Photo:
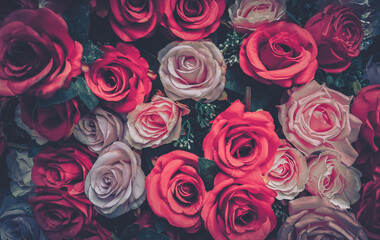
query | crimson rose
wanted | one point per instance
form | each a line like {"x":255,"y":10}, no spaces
{"x":338,"y":33}
{"x":60,"y":215}
{"x":120,"y":77}
{"x":279,"y":53}
{"x":192,"y":19}
{"x":37,"y":55}
{"x":54,"y":122}
{"x":240,"y":142}
{"x":175,"y":191}
{"x":65,"y":167}
{"x":239,"y":208}
{"x":131,"y":19}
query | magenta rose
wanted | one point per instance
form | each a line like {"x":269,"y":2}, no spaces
{"x":131,"y":19}
{"x":121,"y":77}
{"x":289,"y":173}
{"x":367,"y":209}
{"x":316,"y":218}
{"x":60,"y":215}
{"x":65,"y":167}
{"x":366,"y":107}
{"x":53,"y":122}
{"x":338,"y":33}
{"x":37,"y":55}
{"x":316,"y":117}
{"x":192,"y":19}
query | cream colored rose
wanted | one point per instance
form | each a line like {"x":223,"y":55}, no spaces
{"x":155,"y":123}
{"x":330,"y":178}
{"x":246,"y":15}
{"x":289,"y":173}
{"x":192,"y":69}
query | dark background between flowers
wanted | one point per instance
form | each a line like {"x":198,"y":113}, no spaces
{"x":92,"y":32}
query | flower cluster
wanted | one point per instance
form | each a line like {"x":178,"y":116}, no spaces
{"x":123,"y":119}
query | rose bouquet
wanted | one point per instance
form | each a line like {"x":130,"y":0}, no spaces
{"x":189,"y":119}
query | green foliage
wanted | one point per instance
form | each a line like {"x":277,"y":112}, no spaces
{"x":207,"y":170}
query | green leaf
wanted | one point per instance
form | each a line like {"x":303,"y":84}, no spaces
{"x":356,"y":86}
{"x":60,"y":96}
{"x":34,"y":148}
{"x":150,"y":234}
{"x":207,"y":170}
{"x":130,"y":232}
{"x":85,"y":93}
{"x":77,"y":17}
{"x":90,"y":52}
{"x":160,"y":224}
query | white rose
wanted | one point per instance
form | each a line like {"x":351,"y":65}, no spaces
{"x":246,"y":15}
{"x":20,"y":172}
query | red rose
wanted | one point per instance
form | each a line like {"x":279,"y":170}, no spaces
{"x":192,"y":19}
{"x":132,"y":19}
{"x":368,"y":161}
{"x":120,"y":77}
{"x":367,"y":209}
{"x":338,"y":33}
{"x":60,"y":215}
{"x":279,"y":53}
{"x":65,"y":167}
{"x":54,"y":122}
{"x":239,"y":208}
{"x":175,"y":191}
{"x":37,"y":55}
{"x":240,"y":142}
{"x":366,"y":107}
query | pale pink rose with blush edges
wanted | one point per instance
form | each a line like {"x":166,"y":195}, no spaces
{"x":192,"y":69}
{"x":316,"y":218}
{"x":154,"y":124}
{"x":116,"y":181}
{"x":316,"y":118}
{"x":99,"y":129}
{"x":330,"y":178}
{"x":246,"y":15}
{"x":289,"y":172}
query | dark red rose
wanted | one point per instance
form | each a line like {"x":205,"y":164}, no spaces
{"x":134,"y":19}
{"x":367,"y":209}
{"x":65,"y":167}
{"x":37,"y":55}
{"x":54,"y":122}
{"x":368,"y":161}
{"x":366,"y":107}
{"x":192,"y":19}
{"x":239,"y":208}
{"x":121,"y":78}
{"x":279,"y":53}
{"x":242,"y":142}
{"x":60,"y":215}
{"x":338,"y":33}
{"x":175,"y":191}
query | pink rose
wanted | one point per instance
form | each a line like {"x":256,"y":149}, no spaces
{"x":316,"y":117}
{"x":289,"y":173}
{"x":154,"y":124}
{"x":316,"y":218}
{"x":330,"y":178}
{"x":192,"y":70}
{"x":115,"y":183}
{"x":99,"y":129}
{"x":246,"y":15}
